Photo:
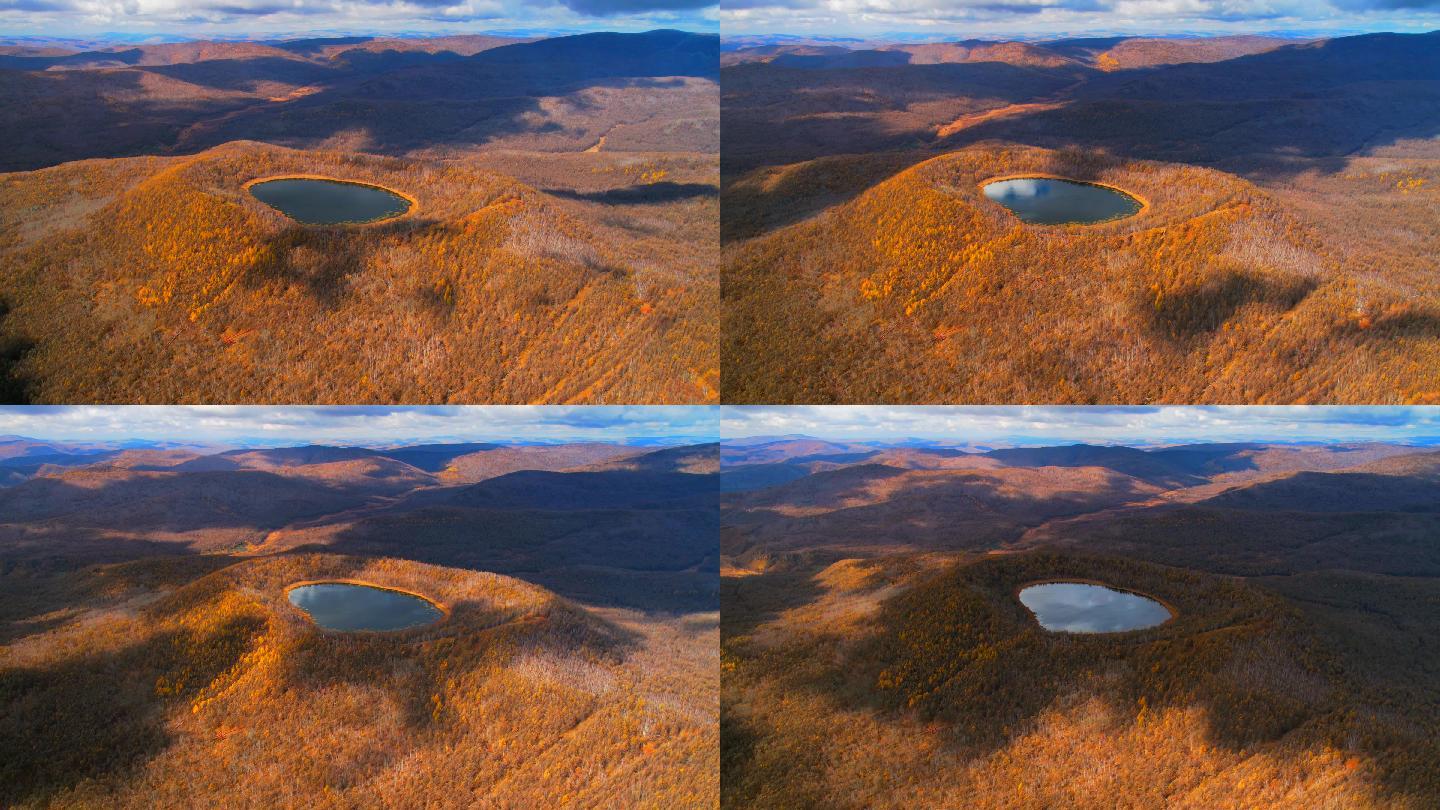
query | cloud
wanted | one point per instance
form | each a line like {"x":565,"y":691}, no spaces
{"x":610,"y":8}
{"x":358,"y":424}
{"x":1052,"y":18}
{"x":1387,"y":5}
{"x":263,"y":9}
{"x":1059,"y":425}
{"x":199,"y":18}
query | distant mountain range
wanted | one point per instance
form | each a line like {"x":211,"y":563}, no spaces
{"x":411,"y":94}
{"x":22,"y":456}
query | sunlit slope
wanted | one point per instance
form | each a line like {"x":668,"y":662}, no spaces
{"x":163,"y":280}
{"x":921,"y":290}
{"x":905,"y":682}
{"x":178,"y":687}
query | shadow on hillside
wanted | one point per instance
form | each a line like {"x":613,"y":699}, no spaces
{"x":368,"y":61}
{"x":1386,"y":629}
{"x":103,"y":713}
{"x":746,"y":602}
{"x":1265,"y":542}
{"x":759,"y":142}
{"x":764,"y":475}
{"x":664,"y":592}
{"x":861,"y":498}
{"x":107,"y":114}
{"x":414,"y":666}
{"x":50,"y":547}
{"x":1082,"y":47}
{"x":15,"y":386}
{"x":962,"y":651}
{"x":1199,"y":310}
{"x":1166,"y":468}
{"x":1206,"y":460}
{"x":650,"y":560}
{"x":1272,"y":114}
{"x":316,"y":45}
{"x":319,"y":259}
{"x":29,"y":465}
{"x":774,"y":199}
{"x":41,"y":593}
{"x":131,"y":56}
{"x":252,"y":500}
{"x":645,"y":194}
{"x":247,"y":75}
{"x":1334,"y":492}
{"x":434,"y":458}
{"x":401,"y":101}
{"x":827,"y":489}
{"x":405,"y":101}
{"x":774,"y":115}
{"x":1422,"y":324}
{"x":638,"y":538}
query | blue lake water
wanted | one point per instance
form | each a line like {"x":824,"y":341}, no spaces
{"x":344,"y":606}
{"x":1047,"y":201}
{"x":1079,"y":607}
{"x":329,"y":202}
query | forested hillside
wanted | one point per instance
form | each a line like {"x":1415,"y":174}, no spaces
{"x":150,"y":655}
{"x":875,"y":653}
{"x":1280,"y":256}
{"x":181,"y":287}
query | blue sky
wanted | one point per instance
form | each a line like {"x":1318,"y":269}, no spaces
{"x":1095,"y":425}
{"x":881,"y":19}
{"x":983,"y":425}
{"x":1032,"y":19}
{"x":260,"y":19}
{"x":357,"y":425}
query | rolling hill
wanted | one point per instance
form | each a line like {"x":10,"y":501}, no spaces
{"x":1104,"y":53}
{"x":641,"y":534}
{"x":523,"y":694}
{"x":149,"y":655}
{"x":192,"y":290}
{"x":420,"y":97}
{"x":863,"y":263}
{"x":888,"y":662}
{"x":564,"y":194}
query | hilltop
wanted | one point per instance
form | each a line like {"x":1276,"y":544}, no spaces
{"x":875,"y":653}
{"x":1216,"y":292}
{"x":563,"y":193}
{"x":149,"y":654}
{"x":184,"y":288}
{"x":1257,"y":271}
{"x":517,"y":695}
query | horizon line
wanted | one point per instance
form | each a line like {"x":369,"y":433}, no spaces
{"x":919,"y":37}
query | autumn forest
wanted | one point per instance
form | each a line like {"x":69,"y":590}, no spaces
{"x":720,"y":404}
{"x":149,"y":656}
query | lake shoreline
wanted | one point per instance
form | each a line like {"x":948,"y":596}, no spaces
{"x":445,"y":610}
{"x":414,"y":202}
